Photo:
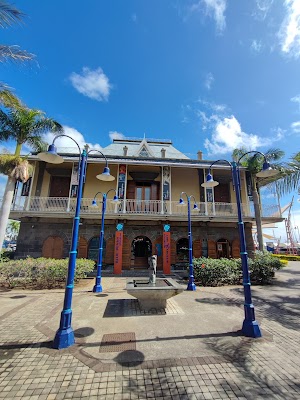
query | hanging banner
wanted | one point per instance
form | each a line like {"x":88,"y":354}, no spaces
{"x":121,"y":181}
{"x":249,"y":185}
{"x":26,"y":187}
{"x":118,"y":252}
{"x":74,"y":181}
{"x":167,"y":250}
{"x":166,"y":183}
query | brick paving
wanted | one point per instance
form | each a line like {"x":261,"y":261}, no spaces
{"x":221,"y":364}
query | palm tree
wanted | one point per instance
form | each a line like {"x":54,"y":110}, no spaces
{"x":13,"y":229}
{"x":291,"y":177}
{"x":23,"y":125}
{"x":10,"y":15}
{"x":254,"y":164}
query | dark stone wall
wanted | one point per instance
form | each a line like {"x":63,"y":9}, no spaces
{"x":34,"y":231}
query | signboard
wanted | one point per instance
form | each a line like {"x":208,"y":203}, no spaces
{"x":121,"y":181}
{"x":167,"y":252}
{"x":118,"y":252}
{"x":26,"y":187}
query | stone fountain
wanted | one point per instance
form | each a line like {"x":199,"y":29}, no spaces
{"x":153,"y":292}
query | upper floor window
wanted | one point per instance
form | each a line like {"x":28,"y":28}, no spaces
{"x":144,"y":152}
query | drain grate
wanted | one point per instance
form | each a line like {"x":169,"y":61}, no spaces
{"x":116,"y":342}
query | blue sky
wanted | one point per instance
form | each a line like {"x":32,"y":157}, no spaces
{"x":211,"y":75}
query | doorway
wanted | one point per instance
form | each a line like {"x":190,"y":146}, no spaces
{"x":223,"y":250}
{"x":59,"y":186}
{"x":141,"y":250}
{"x":143,"y":197}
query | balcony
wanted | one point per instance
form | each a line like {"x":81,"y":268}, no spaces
{"x":135,"y":209}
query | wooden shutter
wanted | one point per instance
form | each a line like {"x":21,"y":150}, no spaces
{"x":173,"y":251}
{"x":154,"y":191}
{"x":222,"y":193}
{"x":109,"y":251}
{"x":130,"y":193}
{"x":82,"y":248}
{"x":197,"y":248}
{"x":126,"y":252}
{"x":235,"y":248}
{"x":212,"y":251}
{"x":53,"y":247}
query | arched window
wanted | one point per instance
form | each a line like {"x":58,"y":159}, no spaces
{"x":182,"y":249}
{"x":93,"y":250}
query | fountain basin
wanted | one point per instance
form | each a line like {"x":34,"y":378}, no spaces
{"x":152,"y":295}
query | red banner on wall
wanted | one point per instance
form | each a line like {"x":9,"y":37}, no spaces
{"x":118,"y":252}
{"x":167,"y":252}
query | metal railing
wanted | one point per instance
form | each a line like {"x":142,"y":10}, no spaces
{"x":63,"y":205}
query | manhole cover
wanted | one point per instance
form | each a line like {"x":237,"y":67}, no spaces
{"x":116,"y":342}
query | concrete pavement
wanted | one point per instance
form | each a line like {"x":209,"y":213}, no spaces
{"x":193,"y":351}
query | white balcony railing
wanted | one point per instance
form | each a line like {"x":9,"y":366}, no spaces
{"x":63,"y":205}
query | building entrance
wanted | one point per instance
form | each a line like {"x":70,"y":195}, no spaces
{"x":141,"y":250}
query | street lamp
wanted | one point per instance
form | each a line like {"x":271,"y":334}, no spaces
{"x":250,"y":326}
{"x":191,"y":285}
{"x":65,"y":336}
{"x":98,"y":287}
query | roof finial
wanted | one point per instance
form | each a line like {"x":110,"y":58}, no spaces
{"x":144,"y":135}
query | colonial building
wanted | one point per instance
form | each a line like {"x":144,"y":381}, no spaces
{"x":150,"y":176}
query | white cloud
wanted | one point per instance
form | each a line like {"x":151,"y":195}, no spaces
{"x":67,"y":145}
{"x":133,"y":17}
{"x":116,"y":135}
{"x":92,"y":83}
{"x":228,"y":135}
{"x":256,"y":46}
{"x":215,"y":9}
{"x":209,"y":80}
{"x":296,"y":127}
{"x":296,"y":99}
{"x":262,"y":8}
{"x":290,"y":29}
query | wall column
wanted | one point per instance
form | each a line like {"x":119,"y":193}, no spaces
{"x":167,"y":250}
{"x":118,"y":253}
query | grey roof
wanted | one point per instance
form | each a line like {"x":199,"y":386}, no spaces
{"x":134,"y":146}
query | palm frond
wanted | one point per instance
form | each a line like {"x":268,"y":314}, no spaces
{"x":9,"y":14}
{"x":14,"y":53}
{"x":8,"y":99}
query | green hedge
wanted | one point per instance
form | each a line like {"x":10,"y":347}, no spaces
{"x":40,"y":273}
{"x":224,"y":271}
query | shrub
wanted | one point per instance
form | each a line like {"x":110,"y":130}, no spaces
{"x":216,"y":272}
{"x":223,"y":271}
{"x":287,"y":257}
{"x":40,"y":273}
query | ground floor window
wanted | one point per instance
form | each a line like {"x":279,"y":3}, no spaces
{"x":93,"y":249}
{"x":182,"y":249}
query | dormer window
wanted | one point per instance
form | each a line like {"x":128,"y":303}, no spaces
{"x":144,"y":152}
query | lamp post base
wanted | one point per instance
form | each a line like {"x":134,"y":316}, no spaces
{"x":97,"y":289}
{"x":63,"y":338}
{"x":191,"y":286}
{"x":251,"y":329}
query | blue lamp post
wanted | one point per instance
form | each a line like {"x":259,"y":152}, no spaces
{"x":191,"y":285}
{"x":65,"y":336}
{"x":98,"y":287}
{"x":250,"y":326}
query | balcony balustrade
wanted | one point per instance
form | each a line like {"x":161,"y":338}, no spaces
{"x":64,"y":205}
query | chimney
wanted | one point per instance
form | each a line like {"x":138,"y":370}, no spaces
{"x":125,"y":150}
{"x":163,"y":153}
{"x":199,"y":155}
